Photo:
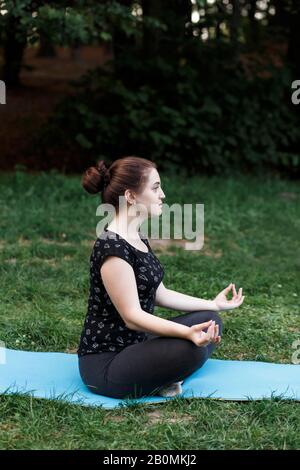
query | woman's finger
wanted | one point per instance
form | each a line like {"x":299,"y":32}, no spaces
{"x":240,"y":301}
{"x":206,"y":338}
{"x":216,"y":333}
{"x":227,"y":289}
{"x":201,"y":326}
{"x":234,"y":291}
{"x":217,"y":340}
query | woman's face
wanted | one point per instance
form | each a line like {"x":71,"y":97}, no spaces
{"x":152,"y":196}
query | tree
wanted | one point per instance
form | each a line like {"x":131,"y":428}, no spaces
{"x":175,"y":15}
{"x":294,"y":37}
{"x":26,"y":21}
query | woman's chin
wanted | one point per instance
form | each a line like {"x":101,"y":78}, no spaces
{"x":156,"y":212}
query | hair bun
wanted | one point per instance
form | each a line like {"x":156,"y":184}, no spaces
{"x":104,"y":172}
{"x":96,"y":178}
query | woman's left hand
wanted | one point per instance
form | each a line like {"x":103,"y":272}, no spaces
{"x":222,"y":303}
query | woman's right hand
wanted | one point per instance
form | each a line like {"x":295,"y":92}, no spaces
{"x":200,"y":338}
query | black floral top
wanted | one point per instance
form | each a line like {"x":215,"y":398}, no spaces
{"x":104,"y":329}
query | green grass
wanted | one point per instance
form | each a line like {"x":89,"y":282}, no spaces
{"x":47,"y":227}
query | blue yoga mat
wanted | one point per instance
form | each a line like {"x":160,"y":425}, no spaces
{"x":54,"y":375}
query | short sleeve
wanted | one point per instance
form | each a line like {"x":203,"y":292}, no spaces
{"x":112,"y":247}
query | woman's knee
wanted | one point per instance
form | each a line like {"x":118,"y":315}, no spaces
{"x":212,"y":315}
{"x":190,"y":357}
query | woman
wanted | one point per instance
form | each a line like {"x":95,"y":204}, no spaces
{"x":125,"y":350}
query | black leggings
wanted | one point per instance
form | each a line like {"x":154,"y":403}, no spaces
{"x":142,"y":368}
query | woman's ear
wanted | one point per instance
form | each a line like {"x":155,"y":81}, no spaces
{"x":129,"y":195}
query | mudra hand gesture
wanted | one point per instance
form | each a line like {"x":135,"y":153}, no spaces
{"x":202,"y":338}
{"x":221,"y":301}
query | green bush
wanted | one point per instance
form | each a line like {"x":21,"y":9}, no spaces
{"x":204,"y":114}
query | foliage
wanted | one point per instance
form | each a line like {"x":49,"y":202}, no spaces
{"x":200,"y":113}
{"x":64,"y":23}
{"x":177,"y":89}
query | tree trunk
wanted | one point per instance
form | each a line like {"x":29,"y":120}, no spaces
{"x":46,"y":48}
{"x":13,"y":54}
{"x":120,"y":39}
{"x":253,"y":33}
{"x":281,"y":17}
{"x":294,"y":42}
{"x":234,"y":27}
{"x":152,"y":37}
{"x":175,"y":14}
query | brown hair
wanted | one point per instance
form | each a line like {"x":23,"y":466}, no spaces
{"x":124,"y":173}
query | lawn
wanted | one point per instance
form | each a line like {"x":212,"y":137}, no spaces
{"x":252,"y":226}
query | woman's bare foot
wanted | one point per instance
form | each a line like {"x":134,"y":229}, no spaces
{"x":170,"y":390}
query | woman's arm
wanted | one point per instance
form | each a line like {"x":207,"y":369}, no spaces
{"x":177,"y":301}
{"x":119,"y":281}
